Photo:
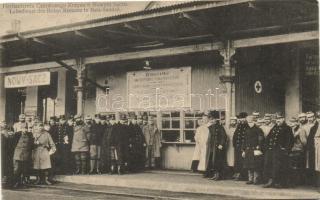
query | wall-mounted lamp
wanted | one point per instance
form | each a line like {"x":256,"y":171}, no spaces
{"x":146,"y":65}
{"x":107,"y":87}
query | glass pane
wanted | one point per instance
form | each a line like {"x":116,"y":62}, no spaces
{"x":199,"y":114}
{"x":175,"y":123}
{"x":189,"y":123}
{"x":189,"y":135}
{"x":165,"y":123}
{"x":189,"y":114}
{"x":165,"y":114}
{"x":175,"y":114}
{"x":170,"y":136}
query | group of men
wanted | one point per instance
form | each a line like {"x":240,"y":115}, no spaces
{"x":86,"y":146}
{"x":265,"y":150}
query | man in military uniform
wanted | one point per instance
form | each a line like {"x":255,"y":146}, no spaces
{"x":278,"y":144}
{"x":256,"y":115}
{"x":7,"y":149}
{"x":80,"y":145}
{"x":310,"y":148}
{"x":22,"y":155}
{"x":118,"y":146}
{"x":216,"y":147}
{"x":136,"y":148}
{"x":95,"y":145}
{"x":237,"y":141}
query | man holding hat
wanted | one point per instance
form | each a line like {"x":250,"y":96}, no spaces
{"x":215,"y":154}
{"x":278,"y":144}
{"x":237,"y":141}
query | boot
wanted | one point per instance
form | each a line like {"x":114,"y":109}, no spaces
{"x":98,"y":167}
{"x":112,"y":169}
{"x":269,"y":184}
{"x":78,"y":167}
{"x":92,"y":165}
{"x":83,"y":167}
{"x":45,"y":178}
{"x":37,"y":182}
{"x":119,"y":170}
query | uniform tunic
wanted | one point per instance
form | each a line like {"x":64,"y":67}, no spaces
{"x":105,"y":147}
{"x":237,"y":141}
{"x":119,"y":143}
{"x":253,"y":141}
{"x":153,"y":138}
{"x":24,"y":146}
{"x":41,"y":157}
{"x":310,"y":147}
{"x":136,"y":150}
{"x":80,"y":142}
{"x":278,"y":144}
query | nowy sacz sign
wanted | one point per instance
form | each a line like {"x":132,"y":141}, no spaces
{"x":27,"y":79}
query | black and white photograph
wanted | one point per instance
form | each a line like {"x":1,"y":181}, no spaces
{"x":163,"y":100}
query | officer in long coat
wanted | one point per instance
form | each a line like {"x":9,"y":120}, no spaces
{"x":119,"y":146}
{"x":95,"y":145}
{"x":237,"y":141}
{"x":136,"y":146}
{"x":310,"y":148}
{"x":252,"y":151}
{"x":22,"y":155}
{"x":278,"y":144}
{"x":43,"y":148}
{"x":215,"y":153}
{"x":107,"y":123}
{"x":153,"y":143}
{"x":80,"y":145}
{"x":7,"y":149}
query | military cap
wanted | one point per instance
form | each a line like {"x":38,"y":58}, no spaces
{"x":22,"y":116}
{"x":233,"y":118}
{"x":139,"y":117}
{"x":302,"y":115}
{"x":97,"y":116}
{"x":52,"y":118}
{"x":293,"y":119}
{"x":255,"y":113}
{"x":310,"y":114}
{"x":267,"y":116}
{"x":88,"y":117}
{"x":318,"y":114}
{"x":279,"y":116}
{"x":77,"y":117}
{"x":62,"y":117}
{"x":260,"y":120}
{"x":123,"y":117}
{"x":242,"y":115}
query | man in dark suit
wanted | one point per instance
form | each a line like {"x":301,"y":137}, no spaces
{"x":216,"y":147}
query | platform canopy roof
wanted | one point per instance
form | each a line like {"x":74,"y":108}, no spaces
{"x":182,"y":24}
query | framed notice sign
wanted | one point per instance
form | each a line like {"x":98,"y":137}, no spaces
{"x":27,"y":79}
{"x":165,"y":89}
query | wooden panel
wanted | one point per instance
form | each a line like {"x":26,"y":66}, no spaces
{"x":260,"y":65}
{"x":177,"y":156}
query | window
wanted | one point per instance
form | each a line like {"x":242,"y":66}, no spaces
{"x":170,"y":126}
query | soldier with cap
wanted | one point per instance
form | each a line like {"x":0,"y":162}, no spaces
{"x":237,"y":141}
{"x":80,"y":145}
{"x":153,"y":143}
{"x":43,"y":148}
{"x":22,"y":154}
{"x":215,"y":153}
{"x":302,"y":117}
{"x":105,"y":143}
{"x":310,"y":148}
{"x":278,"y":144}
{"x":297,"y":154}
{"x":95,"y":145}
{"x":7,"y":149}
{"x":252,"y":151}
{"x":230,"y":133}
{"x":256,"y":115}
{"x":118,"y":146}
{"x":136,"y":145}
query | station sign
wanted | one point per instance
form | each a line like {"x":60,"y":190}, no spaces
{"x":27,"y":79}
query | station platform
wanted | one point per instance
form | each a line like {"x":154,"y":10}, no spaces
{"x":187,"y":182}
